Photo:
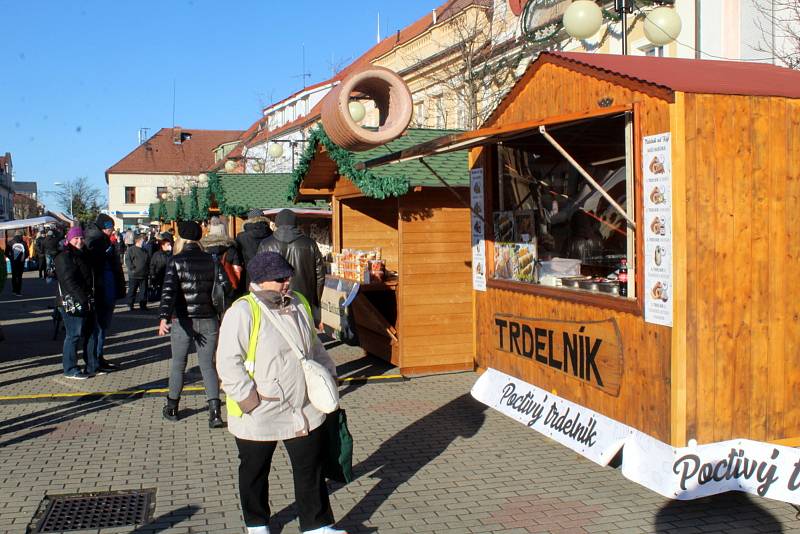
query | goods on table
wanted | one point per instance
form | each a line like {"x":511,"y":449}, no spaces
{"x":363,"y":266}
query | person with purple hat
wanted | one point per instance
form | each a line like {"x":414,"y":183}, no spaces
{"x":76,"y":304}
{"x":268,"y":401}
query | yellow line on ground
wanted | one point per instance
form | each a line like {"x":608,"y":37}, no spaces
{"x":123,"y":392}
{"x":93,"y":393}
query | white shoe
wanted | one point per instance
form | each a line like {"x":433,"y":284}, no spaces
{"x":325,"y":530}
{"x":258,"y":530}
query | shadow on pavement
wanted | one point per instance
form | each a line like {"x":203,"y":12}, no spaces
{"x":401,"y":457}
{"x":723,"y":510}
{"x":168,"y":520}
{"x":43,"y":422}
{"x":367,"y":365}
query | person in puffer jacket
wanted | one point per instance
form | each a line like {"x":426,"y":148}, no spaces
{"x":187,"y":313}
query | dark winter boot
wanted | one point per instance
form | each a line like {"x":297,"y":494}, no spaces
{"x":215,"y":414}
{"x":170,"y":411}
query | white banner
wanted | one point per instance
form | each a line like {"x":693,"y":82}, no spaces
{"x":478,"y":225}
{"x":657,"y":190}
{"x":685,"y":473}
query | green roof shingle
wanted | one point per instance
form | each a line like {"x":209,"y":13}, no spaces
{"x":388,"y":180}
{"x":243,"y":192}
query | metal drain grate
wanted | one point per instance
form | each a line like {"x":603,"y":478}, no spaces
{"x":79,"y":511}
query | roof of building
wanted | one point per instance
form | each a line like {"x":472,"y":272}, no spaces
{"x":24,"y":187}
{"x":390,"y":180}
{"x":193,"y":155}
{"x":688,"y":75}
{"x":243,"y":192}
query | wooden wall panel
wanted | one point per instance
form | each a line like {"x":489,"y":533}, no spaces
{"x":435,"y":280}
{"x":743,"y":258}
{"x":643,"y":401}
{"x":368,"y":223}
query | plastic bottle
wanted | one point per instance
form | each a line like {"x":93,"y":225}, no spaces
{"x":623,"y":278}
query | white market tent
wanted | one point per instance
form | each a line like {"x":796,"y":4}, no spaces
{"x":25,"y":223}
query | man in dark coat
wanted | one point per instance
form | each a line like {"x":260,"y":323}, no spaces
{"x":256,"y":230}
{"x":38,"y":248}
{"x":17,"y":253}
{"x":137,"y":261}
{"x":304,"y":255}
{"x":50,"y":246}
{"x":159,"y":260}
{"x":108,"y":278}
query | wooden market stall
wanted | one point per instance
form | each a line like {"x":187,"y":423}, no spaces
{"x":702,"y":159}
{"x":420,"y":316}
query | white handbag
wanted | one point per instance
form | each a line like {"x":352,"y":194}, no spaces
{"x":321,"y":387}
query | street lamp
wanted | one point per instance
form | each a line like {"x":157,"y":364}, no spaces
{"x":69,"y":192}
{"x":583,"y":18}
{"x":275,"y":148}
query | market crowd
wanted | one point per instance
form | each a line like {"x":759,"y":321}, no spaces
{"x":249,"y":306}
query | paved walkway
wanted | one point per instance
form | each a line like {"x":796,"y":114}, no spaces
{"x":428,"y":458}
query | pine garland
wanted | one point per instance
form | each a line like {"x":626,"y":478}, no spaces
{"x":151,"y":211}
{"x":194,"y":213}
{"x":180,"y":215}
{"x":162,"y":210}
{"x":215,"y":189}
{"x":373,"y":186}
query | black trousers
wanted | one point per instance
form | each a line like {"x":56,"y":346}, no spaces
{"x":41,"y":262}
{"x":137,"y":285}
{"x":17,"y":268}
{"x":310,"y":490}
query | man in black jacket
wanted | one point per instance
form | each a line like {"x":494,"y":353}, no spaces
{"x":159,"y":261}
{"x":38,"y":249}
{"x":109,"y":282}
{"x":76,"y":294}
{"x":50,"y":247}
{"x":188,"y":314}
{"x":137,"y":261}
{"x":256,"y":230}
{"x":17,"y":252}
{"x":304,"y":255}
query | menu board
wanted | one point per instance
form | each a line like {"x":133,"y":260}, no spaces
{"x":657,"y":161}
{"x":478,"y":225}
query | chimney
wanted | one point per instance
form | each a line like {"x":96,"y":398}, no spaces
{"x":434,"y":16}
{"x":177,"y":135}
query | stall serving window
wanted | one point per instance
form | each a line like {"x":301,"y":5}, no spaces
{"x":555,"y":226}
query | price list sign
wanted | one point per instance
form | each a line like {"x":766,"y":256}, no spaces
{"x":657,"y":190}
{"x":477,"y":223}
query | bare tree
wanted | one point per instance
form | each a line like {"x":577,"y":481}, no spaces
{"x":470,"y":67}
{"x":779,"y":24}
{"x":80,"y":198}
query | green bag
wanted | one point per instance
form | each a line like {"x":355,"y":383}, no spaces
{"x":337,"y":463}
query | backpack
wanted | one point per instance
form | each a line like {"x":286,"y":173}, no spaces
{"x":223,"y":291}
{"x":18,"y":251}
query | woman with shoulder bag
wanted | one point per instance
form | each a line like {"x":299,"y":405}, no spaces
{"x":264,"y":380}
{"x":76,"y":292}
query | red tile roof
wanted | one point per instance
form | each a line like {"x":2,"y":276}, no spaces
{"x":160,"y":154}
{"x":688,"y":75}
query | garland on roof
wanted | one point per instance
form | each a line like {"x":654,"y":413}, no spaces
{"x":373,"y":186}
{"x":193,"y":213}
{"x":162,"y":210}
{"x":215,"y":188}
{"x":151,"y":211}
{"x":180,"y":214}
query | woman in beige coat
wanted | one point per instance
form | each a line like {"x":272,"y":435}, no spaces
{"x":272,"y":397}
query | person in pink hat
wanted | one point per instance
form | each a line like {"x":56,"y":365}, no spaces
{"x":76,"y":303}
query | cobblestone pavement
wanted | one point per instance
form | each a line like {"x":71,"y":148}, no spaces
{"x":428,"y":458}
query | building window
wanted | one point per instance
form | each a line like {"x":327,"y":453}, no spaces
{"x":655,"y":51}
{"x":419,"y":114}
{"x":130,"y":195}
{"x":161,"y":193}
